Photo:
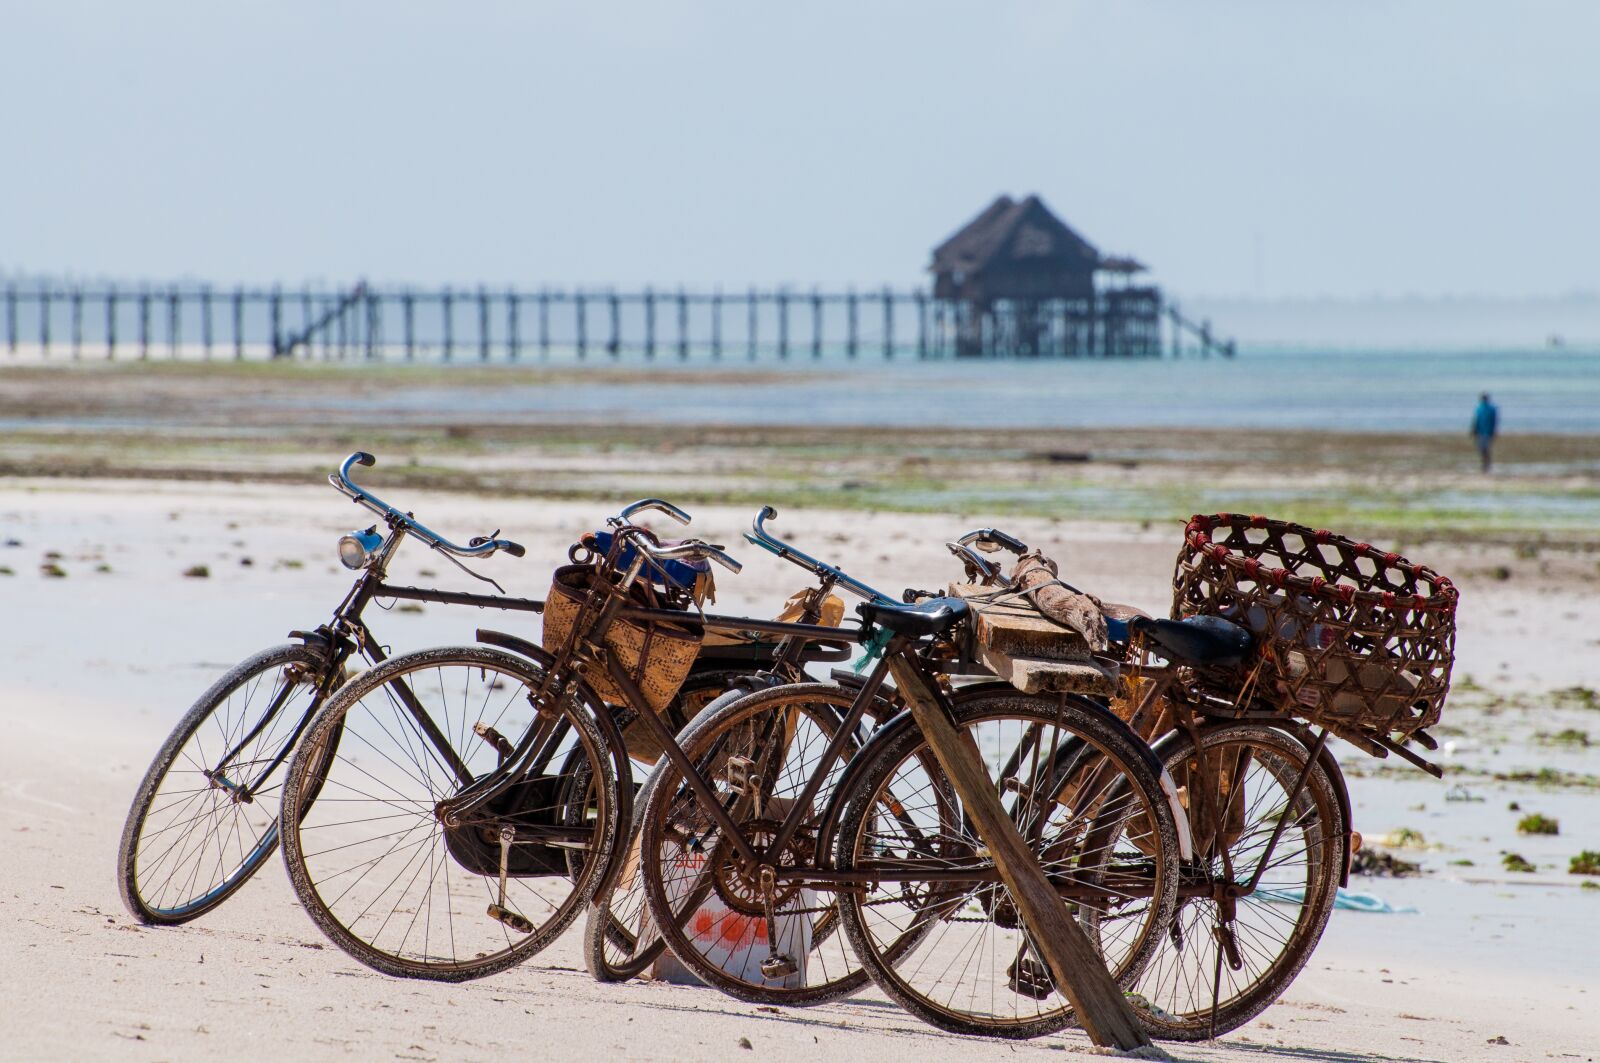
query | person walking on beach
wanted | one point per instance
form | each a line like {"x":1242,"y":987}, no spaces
{"x":1485,"y":423}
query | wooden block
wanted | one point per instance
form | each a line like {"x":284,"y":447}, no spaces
{"x":1014,"y":627}
{"x":1034,"y":675}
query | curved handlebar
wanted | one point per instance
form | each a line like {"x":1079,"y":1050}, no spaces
{"x":759,"y":536}
{"x":693,"y":548}
{"x":990,"y":539}
{"x":978,"y":567}
{"x":480,"y":546}
{"x":660,"y":506}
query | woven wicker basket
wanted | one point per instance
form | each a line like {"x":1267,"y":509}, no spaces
{"x":657,"y":656}
{"x":1349,"y":637}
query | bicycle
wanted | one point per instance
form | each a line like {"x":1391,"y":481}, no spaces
{"x":619,"y":943}
{"x":417,"y":817}
{"x":205,"y":816}
{"x":892,"y":837}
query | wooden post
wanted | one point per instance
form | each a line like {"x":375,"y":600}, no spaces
{"x":716,"y":325}
{"x":330,"y":302}
{"x":44,"y":318}
{"x":649,"y":322}
{"x":782,"y":295}
{"x":205,"y":320}
{"x":11,"y":315}
{"x":483,"y":324}
{"x":408,"y":322}
{"x":1077,"y":969}
{"x":305,"y":314}
{"x":172,"y":323}
{"x":513,"y":341}
{"x":850,"y":334}
{"x":341,"y":310}
{"x":752,"y":335}
{"x":111,"y":322}
{"x":447,"y":310}
{"x":888,"y":323}
{"x":144,"y":322}
{"x":922,"y":323}
{"x":816,"y":324}
{"x":683,"y":324}
{"x":373,"y":310}
{"x":544,"y":323}
{"x":583,"y":324}
{"x":77,"y":322}
{"x":614,"y":344}
{"x":238,"y":321}
{"x":280,"y":346}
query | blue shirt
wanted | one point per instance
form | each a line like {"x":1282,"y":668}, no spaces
{"x":1485,"y":420}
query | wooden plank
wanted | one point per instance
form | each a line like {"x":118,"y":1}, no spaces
{"x":1015,"y":628}
{"x":1078,"y":970}
{"x":1036,"y":675}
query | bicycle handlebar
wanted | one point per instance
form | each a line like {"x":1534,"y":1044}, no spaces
{"x":759,"y":536}
{"x":990,"y":539}
{"x":693,"y":548}
{"x":660,"y":506}
{"x":479,"y":546}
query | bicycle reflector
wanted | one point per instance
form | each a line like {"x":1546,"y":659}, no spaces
{"x":356,"y":548}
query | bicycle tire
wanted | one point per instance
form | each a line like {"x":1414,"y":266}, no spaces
{"x":931,"y":992}
{"x":1179,"y":1000}
{"x":419,"y":774}
{"x":251,"y":838}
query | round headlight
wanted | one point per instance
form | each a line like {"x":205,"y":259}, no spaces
{"x":357,"y":548}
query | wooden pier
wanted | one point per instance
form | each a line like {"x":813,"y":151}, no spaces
{"x":51,"y":320}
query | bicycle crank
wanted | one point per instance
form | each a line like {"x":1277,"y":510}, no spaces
{"x":498,"y":910}
{"x":777,"y":964}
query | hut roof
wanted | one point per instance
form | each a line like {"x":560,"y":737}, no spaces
{"x":1014,"y":232}
{"x":1122,"y":264}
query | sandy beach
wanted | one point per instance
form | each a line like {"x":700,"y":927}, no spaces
{"x":99,"y":662}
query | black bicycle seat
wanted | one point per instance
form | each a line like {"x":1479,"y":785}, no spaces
{"x":1207,"y":641}
{"x":932,"y":617}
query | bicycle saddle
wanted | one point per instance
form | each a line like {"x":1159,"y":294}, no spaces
{"x":1196,"y":640}
{"x":932,"y":617}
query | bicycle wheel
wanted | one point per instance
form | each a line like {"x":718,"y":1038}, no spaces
{"x":1222,"y":963}
{"x":757,"y":752}
{"x":613,"y":948}
{"x":372,"y":860}
{"x":191,"y":837}
{"x":1083,"y":795}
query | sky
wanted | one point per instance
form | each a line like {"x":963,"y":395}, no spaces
{"x":1250,"y":148}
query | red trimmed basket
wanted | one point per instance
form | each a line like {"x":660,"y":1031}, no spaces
{"x":1350,"y":637}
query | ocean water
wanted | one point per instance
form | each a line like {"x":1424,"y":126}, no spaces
{"x":1538,"y":390}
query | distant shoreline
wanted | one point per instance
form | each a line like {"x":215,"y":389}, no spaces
{"x":291,"y":424}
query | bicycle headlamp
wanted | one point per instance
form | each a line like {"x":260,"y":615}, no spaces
{"x":356,"y":548}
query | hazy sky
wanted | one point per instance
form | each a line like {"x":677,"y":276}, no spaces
{"x":1256,"y":148}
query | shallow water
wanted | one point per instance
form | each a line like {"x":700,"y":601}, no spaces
{"x":1377,"y":391}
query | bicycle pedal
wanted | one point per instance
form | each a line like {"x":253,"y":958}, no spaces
{"x":510,"y":918}
{"x":778,"y":965}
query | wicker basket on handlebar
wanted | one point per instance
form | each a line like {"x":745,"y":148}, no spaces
{"x":1348,"y":636}
{"x":656,"y":655}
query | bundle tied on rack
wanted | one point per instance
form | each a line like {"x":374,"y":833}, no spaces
{"x":1348,"y":636}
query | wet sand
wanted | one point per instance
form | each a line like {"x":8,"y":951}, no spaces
{"x":95,"y":666}
{"x":252,"y":423}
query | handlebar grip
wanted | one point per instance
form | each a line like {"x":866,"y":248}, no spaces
{"x":363,"y":458}
{"x":724,"y":560}
{"x":514,"y":549}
